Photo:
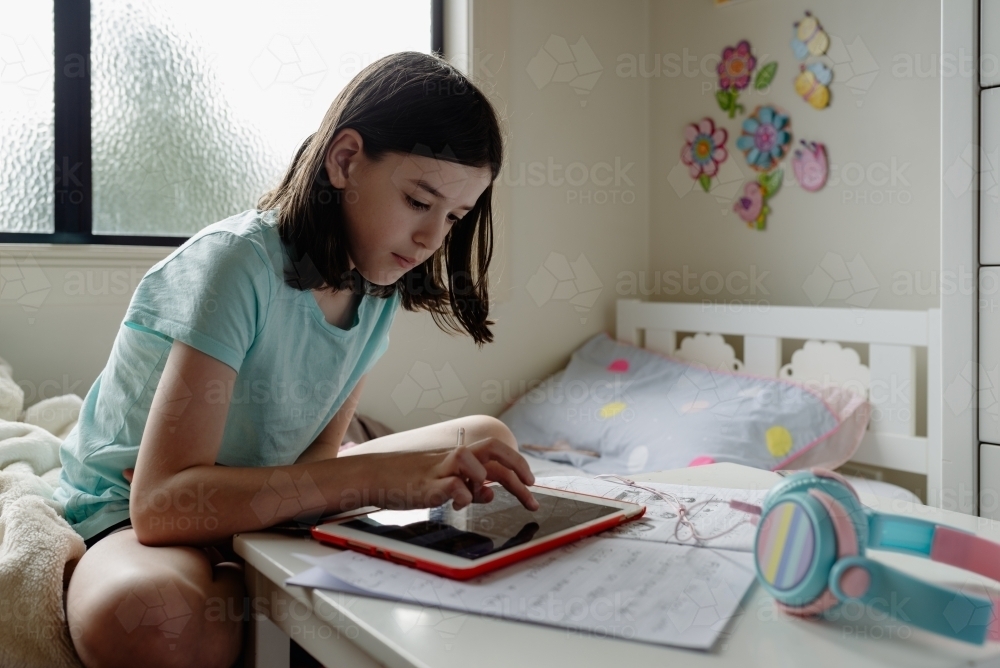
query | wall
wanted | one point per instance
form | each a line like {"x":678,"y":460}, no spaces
{"x":878,"y":216}
{"x":566,"y":252}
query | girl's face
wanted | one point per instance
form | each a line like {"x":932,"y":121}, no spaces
{"x":398,"y":209}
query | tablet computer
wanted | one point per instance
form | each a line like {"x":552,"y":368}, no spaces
{"x":480,"y":537}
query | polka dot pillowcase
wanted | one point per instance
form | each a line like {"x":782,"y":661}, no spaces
{"x":617,"y":408}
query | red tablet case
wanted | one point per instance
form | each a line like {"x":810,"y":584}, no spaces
{"x":513,"y":556}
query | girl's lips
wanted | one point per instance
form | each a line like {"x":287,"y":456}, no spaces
{"x":404,"y":263}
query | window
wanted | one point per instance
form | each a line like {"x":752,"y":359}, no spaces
{"x":187,"y":112}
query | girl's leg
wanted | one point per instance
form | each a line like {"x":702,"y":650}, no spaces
{"x":131,"y":604}
{"x":439,"y":435}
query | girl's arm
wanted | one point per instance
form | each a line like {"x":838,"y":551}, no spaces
{"x":179,"y":497}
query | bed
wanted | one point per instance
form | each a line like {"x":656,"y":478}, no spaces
{"x":891,"y":340}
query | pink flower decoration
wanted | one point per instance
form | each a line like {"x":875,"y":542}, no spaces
{"x":736,"y":66}
{"x":705,"y":148}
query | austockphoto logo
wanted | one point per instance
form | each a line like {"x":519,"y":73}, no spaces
{"x":558,"y":61}
{"x":24,"y":283}
{"x":495,"y":392}
{"x":836,"y":280}
{"x":945,"y":65}
{"x":726,"y":183}
{"x":673,"y":282}
{"x":854,"y":67}
{"x":960,"y":175}
{"x":602,"y":182}
{"x":667,"y":65}
{"x":559,"y":279}
{"x":148,"y":604}
{"x":876,"y":183}
{"x":296,"y":64}
{"x":423,"y":387}
{"x":949,"y":282}
{"x":25,"y":65}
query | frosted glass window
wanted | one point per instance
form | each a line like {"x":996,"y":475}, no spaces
{"x":198,"y":106}
{"x":27,"y":117}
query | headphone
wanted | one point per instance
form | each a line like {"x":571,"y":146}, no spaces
{"x":810,"y":547}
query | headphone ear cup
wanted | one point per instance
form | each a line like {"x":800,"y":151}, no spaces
{"x":834,"y":484}
{"x":800,"y":538}
{"x":795,"y":548}
{"x":847,"y":545}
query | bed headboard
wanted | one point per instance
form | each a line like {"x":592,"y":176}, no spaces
{"x":892,"y":337}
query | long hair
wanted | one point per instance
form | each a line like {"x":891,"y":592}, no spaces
{"x":407,"y":102}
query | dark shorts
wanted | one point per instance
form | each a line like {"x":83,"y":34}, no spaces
{"x":114,"y":528}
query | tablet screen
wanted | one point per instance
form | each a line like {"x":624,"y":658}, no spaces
{"x":481,"y":529}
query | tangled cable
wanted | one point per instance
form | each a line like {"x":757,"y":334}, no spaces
{"x":684,"y":513}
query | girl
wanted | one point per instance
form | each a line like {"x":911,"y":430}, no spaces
{"x":242,"y":356}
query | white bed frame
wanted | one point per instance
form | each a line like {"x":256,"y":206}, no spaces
{"x":892,"y":338}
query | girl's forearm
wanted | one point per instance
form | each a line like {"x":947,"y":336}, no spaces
{"x":203,"y":505}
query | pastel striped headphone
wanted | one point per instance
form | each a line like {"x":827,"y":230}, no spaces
{"x":810,"y":556}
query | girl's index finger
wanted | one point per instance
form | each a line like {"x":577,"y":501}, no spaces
{"x":503,"y":453}
{"x":507,"y":478}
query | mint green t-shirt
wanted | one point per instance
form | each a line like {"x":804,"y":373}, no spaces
{"x":223,"y":293}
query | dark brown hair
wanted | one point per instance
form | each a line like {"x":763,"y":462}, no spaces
{"x":407,"y":102}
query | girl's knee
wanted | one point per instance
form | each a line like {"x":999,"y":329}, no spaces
{"x":162,"y":617}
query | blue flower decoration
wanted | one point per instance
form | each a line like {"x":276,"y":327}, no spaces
{"x":766,"y":137}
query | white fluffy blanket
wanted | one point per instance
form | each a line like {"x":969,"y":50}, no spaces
{"x":36,"y":543}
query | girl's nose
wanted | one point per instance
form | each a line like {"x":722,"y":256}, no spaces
{"x":432,"y":233}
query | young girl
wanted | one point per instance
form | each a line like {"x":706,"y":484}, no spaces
{"x":242,"y":356}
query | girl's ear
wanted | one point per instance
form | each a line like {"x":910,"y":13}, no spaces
{"x":342,"y":158}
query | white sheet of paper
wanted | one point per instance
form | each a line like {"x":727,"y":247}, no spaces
{"x":631,"y":589}
{"x":660,"y":519}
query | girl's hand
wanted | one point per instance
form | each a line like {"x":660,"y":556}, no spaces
{"x":128,"y":474}
{"x":429,"y":478}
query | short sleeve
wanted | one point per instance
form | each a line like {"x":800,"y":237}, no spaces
{"x":211,"y":295}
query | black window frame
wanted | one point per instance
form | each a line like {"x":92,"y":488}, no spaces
{"x":73,"y":182}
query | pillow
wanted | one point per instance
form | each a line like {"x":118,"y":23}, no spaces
{"x":617,"y":408}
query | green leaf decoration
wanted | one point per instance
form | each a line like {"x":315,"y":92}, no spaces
{"x":706,"y":181}
{"x":772,"y":181}
{"x":725,"y":99}
{"x":765,"y":75}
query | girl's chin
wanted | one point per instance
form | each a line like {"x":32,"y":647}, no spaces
{"x":383,"y":276}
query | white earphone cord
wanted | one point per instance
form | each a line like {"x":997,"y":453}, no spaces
{"x":683,"y":512}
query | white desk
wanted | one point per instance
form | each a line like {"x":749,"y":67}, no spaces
{"x":354,"y":632}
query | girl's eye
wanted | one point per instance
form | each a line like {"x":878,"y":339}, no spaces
{"x":454,"y":219}
{"x":416,"y":204}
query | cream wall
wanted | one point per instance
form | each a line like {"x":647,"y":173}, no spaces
{"x":882,"y":203}
{"x":427,"y":375}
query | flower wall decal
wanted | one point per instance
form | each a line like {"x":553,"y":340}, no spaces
{"x":766,"y":136}
{"x":736,"y":66}
{"x":735,"y":71}
{"x":704,"y":150}
{"x":752,"y":207}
